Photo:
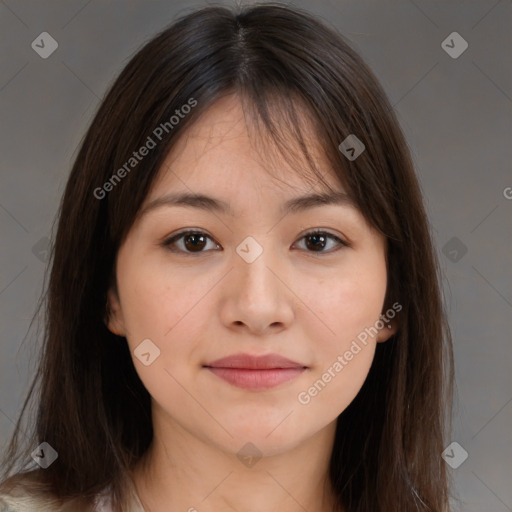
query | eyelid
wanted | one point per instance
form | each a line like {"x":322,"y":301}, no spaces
{"x":168,"y":241}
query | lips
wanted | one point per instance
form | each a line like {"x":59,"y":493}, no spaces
{"x":249,"y":362}
{"x":255,"y":372}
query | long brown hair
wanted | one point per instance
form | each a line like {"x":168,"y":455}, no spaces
{"x":92,"y":407}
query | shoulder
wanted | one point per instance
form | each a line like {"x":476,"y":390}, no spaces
{"x":23,"y":493}
{"x":11,"y":503}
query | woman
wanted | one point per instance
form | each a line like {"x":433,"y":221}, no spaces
{"x":244,"y":308}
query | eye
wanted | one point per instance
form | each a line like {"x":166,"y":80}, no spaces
{"x":317,"y":240}
{"x":195,"y":241}
{"x":192,"y":242}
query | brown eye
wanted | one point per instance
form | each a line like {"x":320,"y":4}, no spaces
{"x":194,"y":242}
{"x":191,"y":242}
{"x":316,"y":241}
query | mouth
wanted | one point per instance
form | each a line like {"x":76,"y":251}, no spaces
{"x":255,"y":372}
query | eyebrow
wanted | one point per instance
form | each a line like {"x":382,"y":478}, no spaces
{"x":208,"y":203}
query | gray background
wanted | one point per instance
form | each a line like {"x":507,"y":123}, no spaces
{"x":456,"y":114}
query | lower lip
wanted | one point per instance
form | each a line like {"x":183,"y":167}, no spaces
{"x":256,"y":379}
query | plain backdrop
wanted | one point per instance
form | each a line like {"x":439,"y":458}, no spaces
{"x":455,"y":112}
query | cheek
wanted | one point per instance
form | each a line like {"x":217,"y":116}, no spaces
{"x":157,"y":302}
{"x":344,"y":356}
{"x":349,"y":305}
{"x":168,"y":309}
{"x":332,"y":388}
{"x":350,"y":302}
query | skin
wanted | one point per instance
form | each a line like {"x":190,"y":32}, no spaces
{"x":303,"y":304}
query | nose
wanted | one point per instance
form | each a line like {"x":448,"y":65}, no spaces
{"x":257,"y":298}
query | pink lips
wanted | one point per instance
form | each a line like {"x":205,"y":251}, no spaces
{"x":255,"y":372}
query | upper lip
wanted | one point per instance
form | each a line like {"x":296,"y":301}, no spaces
{"x":250,"y":362}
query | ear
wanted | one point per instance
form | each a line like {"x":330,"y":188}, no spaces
{"x":390,"y":328}
{"x":113,"y":315}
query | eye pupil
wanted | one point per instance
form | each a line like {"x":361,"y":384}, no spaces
{"x":194,"y":238}
{"x":316,"y":238}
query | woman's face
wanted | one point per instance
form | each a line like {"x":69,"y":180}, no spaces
{"x":249,"y":281}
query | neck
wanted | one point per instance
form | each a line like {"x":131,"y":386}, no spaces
{"x":182,"y":472}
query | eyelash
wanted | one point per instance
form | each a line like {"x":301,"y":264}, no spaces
{"x":170,"y":241}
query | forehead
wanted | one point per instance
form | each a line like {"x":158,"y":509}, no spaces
{"x":225,"y":150}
